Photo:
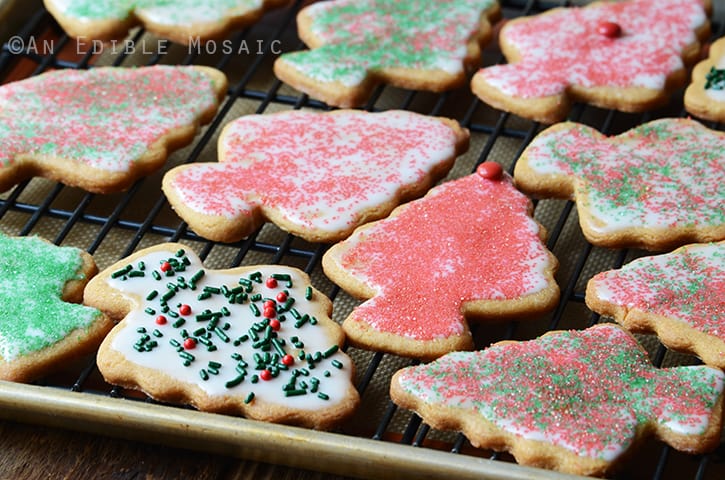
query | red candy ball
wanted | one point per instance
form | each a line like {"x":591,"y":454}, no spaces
{"x":189,"y":343}
{"x":274,"y":323}
{"x":185,"y":309}
{"x":609,"y":29}
{"x":490,"y":170}
{"x":165,"y":267}
{"x":281,"y":297}
{"x":265,"y":375}
{"x":271,"y":282}
{"x":288,"y":360}
{"x":160,"y":320}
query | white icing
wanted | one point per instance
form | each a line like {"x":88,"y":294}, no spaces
{"x":166,"y":359}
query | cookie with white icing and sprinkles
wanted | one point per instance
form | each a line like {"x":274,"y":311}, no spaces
{"x":679,"y":296}
{"x":575,"y":401}
{"x":657,"y":186}
{"x":102,"y":129}
{"x":43,"y":325}
{"x":705,"y":96}
{"x":252,"y":340}
{"x":341,"y":169}
{"x":189,"y":22}
{"x":359,"y":44}
{"x":467,"y":251}
{"x":627,"y":55}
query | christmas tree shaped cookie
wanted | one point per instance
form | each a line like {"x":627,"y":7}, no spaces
{"x":253,"y":340}
{"x":104,"y":128}
{"x":679,"y":296}
{"x":574,"y":401}
{"x":42,"y":325}
{"x":705,"y":97}
{"x":629,"y":55}
{"x":657,"y":186}
{"x":317,"y":175}
{"x":468,"y":250}
{"x":183,"y":21}
{"x":358,"y":44}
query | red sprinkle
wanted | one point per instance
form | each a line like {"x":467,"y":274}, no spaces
{"x":282,"y":297}
{"x":274,"y":323}
{"x":269,"y":304}
{"x":160,"y":320}
{"x":288,"y":360}
{"x":165,"y":267}
{"x":265,"y":375}
{"x":269,"y":312}
{"x":609,"y":29}
{"x":185,"y":309}
{"x":189,"y":343}
{"x":271,"y":282}
{"x":490,"y":170}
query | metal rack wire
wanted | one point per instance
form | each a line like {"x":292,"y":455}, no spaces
{"x":113,"y":226}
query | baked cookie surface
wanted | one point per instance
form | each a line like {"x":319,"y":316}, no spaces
{"x":628,"y":55}
{"x":182,"y":21}
{"x":468,"y":250}
{"x":254,"y":340}
{"x":657,"y":186}
{"x":43,"y":326}
{"x":679,"y":296}
{"x":574,"y":401}
{"x":358,"y":44}
{"x":104,"y":128}
{"x":317,"y":175}
{"x":705,"y":96}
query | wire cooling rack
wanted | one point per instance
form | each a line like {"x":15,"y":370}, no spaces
{"x":380,"y":439}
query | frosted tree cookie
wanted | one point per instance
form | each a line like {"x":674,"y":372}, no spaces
{"x":183,"y":21}
{"x":679,"y":296}
{"x":630,"y":55}
{"x":317,"y":175}
{"x":43,"y":326}
{"x":705,"y":96}
{"x":102,"y":129}
{"x":467,"y":251}
{"x":657,"y":186}
{"x":358,"y":44}
{"x":253,"y":340}
{"x":575,"y":401}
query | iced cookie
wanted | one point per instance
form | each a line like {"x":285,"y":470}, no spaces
{"x":679,"y":296}
{"x":104,"y":128}
{"x":253,"y":340}
{"x":629,"y":55}
{"x":467,"y":251}
{"x":43,"y":327}
{"x":184,"y":21}
{"x":358,"y":44}
{"x":657,"y":186}
{"x":705,"y":97}
{"x":317,"y":175}
{"x":575,"y":401}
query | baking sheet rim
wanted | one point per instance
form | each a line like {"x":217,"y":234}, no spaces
{"x":248,"y":439}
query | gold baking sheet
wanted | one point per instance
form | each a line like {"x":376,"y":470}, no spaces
{"x":113,"y":226}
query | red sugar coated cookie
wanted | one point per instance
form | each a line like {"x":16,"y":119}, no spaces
{"x":574,"y":401}
{"x":468,"y":250}
{"x":104,"y":128}
{"x":316,"y":175}
{"x":627,"y":55}
{"x":657,"y":186}
{"x":679,"y":296}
